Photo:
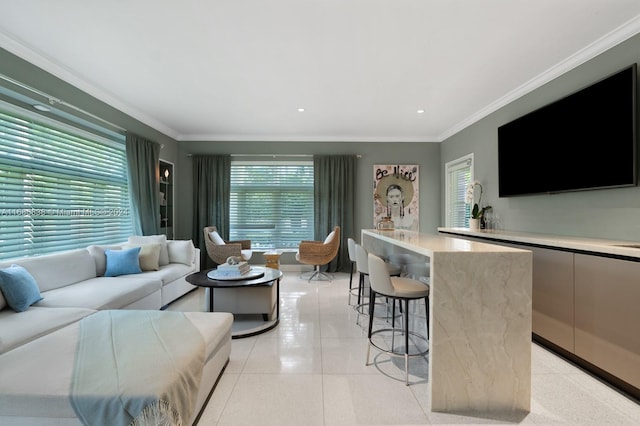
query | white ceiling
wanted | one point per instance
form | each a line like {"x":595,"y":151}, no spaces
{"x":240,"y":69}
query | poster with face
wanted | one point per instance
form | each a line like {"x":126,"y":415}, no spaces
{"x":395,"y":195}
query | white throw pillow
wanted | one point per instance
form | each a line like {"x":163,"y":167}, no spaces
{"x":181,"y":251}
{"x":329,"y":237}
{"x":138,"y":240}
{"x":217,"y":239}
{"x":246,"y":253}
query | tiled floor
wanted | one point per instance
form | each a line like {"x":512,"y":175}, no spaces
{"x":310,"y":370}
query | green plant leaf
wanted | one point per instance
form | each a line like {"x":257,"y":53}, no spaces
{"x":475,"y":211}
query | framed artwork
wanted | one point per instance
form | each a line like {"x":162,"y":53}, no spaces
{"x":395,"y":195}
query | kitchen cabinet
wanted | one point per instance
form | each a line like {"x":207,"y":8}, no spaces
{"x":607,"y":317}
{"x":552,"y":296}
{"x":585,"y":298}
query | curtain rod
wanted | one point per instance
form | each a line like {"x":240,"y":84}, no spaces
{"x":272,"y":155}
{"x":55,"y":101}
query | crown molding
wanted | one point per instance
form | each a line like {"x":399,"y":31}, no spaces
{"x":52,"y":67}
{"x":301,"y":139}
{"x":604,"y":43}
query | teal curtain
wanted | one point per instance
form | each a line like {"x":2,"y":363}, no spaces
{"x":143,"y":156}
{"x":211,"y":198}
{"x":334,"y":202}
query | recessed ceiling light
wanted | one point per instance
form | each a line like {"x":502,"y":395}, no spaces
{"x":41,"y":107}
{"x":300,"y":109}
{"x":420,"y":111}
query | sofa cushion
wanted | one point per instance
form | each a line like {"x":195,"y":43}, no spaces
{"x":58,"y":269}
{"x":149,"y":256}
{"x":137,"y":240}
{"x":19,"y":288}
{"x":102,"y":292}
{"x":20,"y":328}
{"x":97,"y":252}
{"x":181,"y":251}
{"x":3,"y":303}
{"x":38,"y":386}
{"x":167,"y":273}
{"x":121,"y":262}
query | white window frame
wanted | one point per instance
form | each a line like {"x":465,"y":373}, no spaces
{"x":453,"y":198}
{"x":282,"y":235}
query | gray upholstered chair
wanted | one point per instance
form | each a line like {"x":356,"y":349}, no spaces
{"x":403,"y":290}
{"x":319,"y":253}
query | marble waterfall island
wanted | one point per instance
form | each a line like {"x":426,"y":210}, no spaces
{"x":480,"y":325}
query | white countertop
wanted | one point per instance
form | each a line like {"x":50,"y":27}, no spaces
{"x":594,"y":245}
{"x":427,"y":244}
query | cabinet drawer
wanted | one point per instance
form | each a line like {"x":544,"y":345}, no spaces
{"x":553,"y":296}
{"x":607,"y":316}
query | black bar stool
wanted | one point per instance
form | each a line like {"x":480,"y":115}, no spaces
{"x":403,"y":290}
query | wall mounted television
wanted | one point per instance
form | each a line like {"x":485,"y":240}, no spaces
{"x":586,"y":140}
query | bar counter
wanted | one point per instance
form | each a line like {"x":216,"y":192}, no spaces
{"x":480,"y":324}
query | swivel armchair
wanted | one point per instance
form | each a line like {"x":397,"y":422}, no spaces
{"x":319,"y":253}
{"x":219,"y":250}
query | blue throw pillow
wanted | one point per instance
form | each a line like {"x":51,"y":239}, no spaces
{"x":19,"y":288}
{"x":121,"y":262}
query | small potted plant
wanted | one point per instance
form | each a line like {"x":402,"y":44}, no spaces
{"x":477,"y":213}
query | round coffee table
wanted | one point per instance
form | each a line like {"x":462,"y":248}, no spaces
{"x":268,"y":278}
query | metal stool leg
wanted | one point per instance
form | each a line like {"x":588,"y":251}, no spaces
{"x":350,"y":284}
{"x":406,"y":341}
{"x":426,"y":311}
{"x":372,"y":296}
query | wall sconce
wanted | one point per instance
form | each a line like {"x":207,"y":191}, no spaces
{"x":166,"y":174}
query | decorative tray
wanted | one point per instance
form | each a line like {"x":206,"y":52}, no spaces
{"x":254,"y":272}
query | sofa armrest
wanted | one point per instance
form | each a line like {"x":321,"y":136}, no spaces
{"x":196,"y":259}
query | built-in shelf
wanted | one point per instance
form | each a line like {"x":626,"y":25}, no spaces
{"x":166,"y":198}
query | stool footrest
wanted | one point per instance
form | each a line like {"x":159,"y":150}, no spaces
{"x":363,"y":309}
{"x":391,"y":351}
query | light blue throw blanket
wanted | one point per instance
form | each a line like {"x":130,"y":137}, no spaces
{"x":137,"y":368}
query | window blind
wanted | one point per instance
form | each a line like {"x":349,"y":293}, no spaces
{"x":60,"y":188}
{"x":458,"y":176}
{"x":271,"y":203}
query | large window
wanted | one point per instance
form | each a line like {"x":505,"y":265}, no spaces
{"x":60,"y":187}
{"x":271,"y":203}
{"x":458,"y":174}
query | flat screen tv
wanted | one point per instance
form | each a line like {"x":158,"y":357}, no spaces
{"x":586,"y":140}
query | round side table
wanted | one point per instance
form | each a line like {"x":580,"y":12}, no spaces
{"x":272,"y":260}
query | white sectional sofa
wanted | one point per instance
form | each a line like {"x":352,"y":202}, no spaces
{"x":38,"y":345}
